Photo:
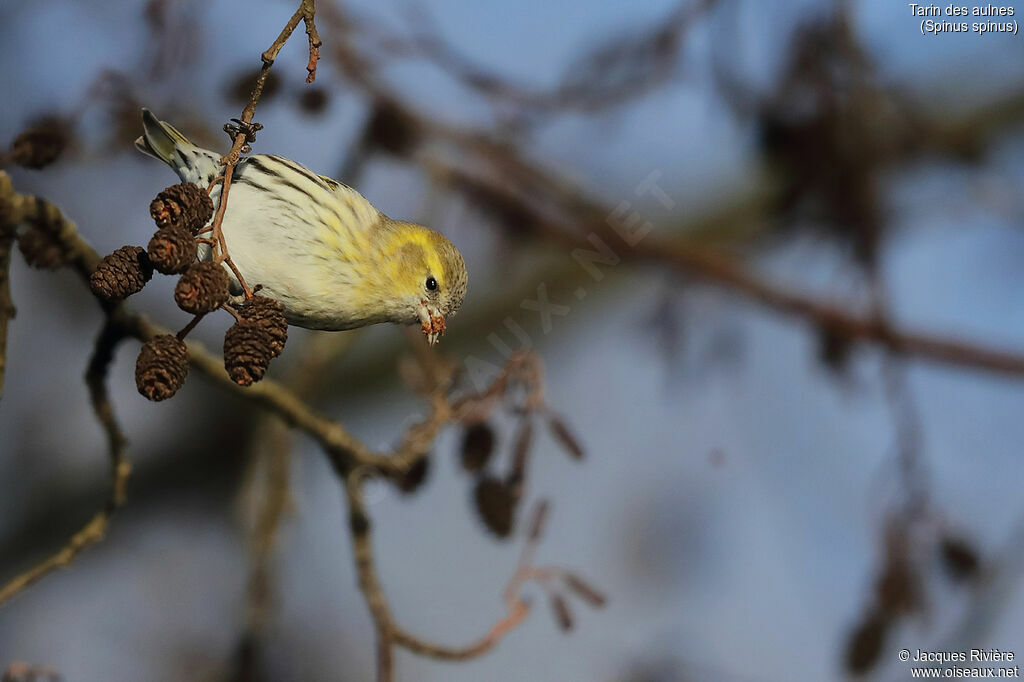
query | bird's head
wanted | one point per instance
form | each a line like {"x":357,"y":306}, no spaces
{"x":429,"y":275}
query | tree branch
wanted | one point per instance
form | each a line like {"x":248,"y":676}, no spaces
{"x":103,"y":354}
{"x":389,"y":634}
{"x":730,"y":273}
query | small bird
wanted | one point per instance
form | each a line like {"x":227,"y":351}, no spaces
{"x":316,"y":245}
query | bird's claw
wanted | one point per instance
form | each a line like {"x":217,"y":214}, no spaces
{"x":240,"y":127}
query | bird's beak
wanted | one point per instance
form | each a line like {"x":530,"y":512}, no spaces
{"x":432,"y":322}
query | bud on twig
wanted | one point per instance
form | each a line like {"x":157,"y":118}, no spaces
{"x":584,"y":591}
{"x":392,"y":129}
{"x":313,"y":100}
{"x":959,"y":558}
{"x":496,"y":504}
{"x":121,"y":273}
{"x":161,"y":367}
{"x":898,"y":587}
{"x":520,"y":452}
{"x":834,"y":348}
{"x":172,"y":249}
{"x":866,"y":642}
{"x":415,"y":476}
{"x":562,"y":434}
{"x":477,"y":446}
{"x":202,"y":288}
{"x":540,"y":517}
{"x":562,"y":612}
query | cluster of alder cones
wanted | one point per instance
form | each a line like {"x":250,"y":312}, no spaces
{"x":497,"y":497}
{"x":181,"y":213}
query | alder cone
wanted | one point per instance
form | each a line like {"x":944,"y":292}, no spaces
{"x":477,"y":446}
{"x":172,"y":249}
{"x":959,"y":558}
{"x":865,"y":644}
{"x":202,"y":288}
{"x":42,"y":144}
{"x":161,"y":367}
{"x":496,"y":503}
{"x":247,"y":352}
{"x":392,"y":129}
{"x":898,"y":588}
{"x":267,"y":314}
{"x":415,"y":476}
{"x":313,"y":100}
{"x":185,"y":205}
{"x":42,"y":244}
{"x":40,"y":249}
{"x":121,"y":274}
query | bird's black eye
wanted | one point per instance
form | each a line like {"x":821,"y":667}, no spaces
{"x":431,"y":284}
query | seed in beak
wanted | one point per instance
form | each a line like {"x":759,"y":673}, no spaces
{"x":432,"y":324}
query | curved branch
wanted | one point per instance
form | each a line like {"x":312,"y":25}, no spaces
{"x":727,"y":272}
{"x":389,"y":634}
{"x":103,"y":354}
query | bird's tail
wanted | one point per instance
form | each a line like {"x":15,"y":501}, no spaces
{"x":162,"y":141}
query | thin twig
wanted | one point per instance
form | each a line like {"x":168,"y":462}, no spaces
{"x":103,"y":354}
{"x":369,"y":585}
{"x":7,"y":310}
{"x":616,"y":74}
{"x":269,"y":478}
{"x":308,"y":17}
{"x":246,"y":127}
{"x":268,"y":484}
{"x":190,"y":326}
{"x":448,"y":653}
{"x":389,"y":634}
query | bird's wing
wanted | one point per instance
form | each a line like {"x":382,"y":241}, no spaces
{"x":342,"y":219}
{"x":359,"y":212}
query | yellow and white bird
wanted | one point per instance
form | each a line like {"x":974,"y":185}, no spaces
{"x":316,"y":245}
